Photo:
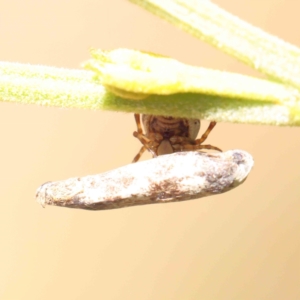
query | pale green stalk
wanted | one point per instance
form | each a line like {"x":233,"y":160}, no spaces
{"x":50,"y":86}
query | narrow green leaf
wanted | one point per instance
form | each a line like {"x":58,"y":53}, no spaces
{"x":144,"y":74}
{"x":268,"y":54}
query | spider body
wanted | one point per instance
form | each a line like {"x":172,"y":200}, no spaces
{"x":166,"y":135}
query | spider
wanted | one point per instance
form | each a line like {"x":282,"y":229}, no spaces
{"x":166,"y":135}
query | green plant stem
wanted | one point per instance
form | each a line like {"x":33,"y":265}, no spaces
{"x":50,"y":86}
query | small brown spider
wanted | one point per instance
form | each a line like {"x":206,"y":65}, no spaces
{"x":166,"y":135}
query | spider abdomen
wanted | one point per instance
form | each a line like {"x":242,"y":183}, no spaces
{"x":170,"y":126}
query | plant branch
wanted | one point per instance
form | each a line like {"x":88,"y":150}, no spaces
{"x":132,"y":81}
{"x":50,"y":86}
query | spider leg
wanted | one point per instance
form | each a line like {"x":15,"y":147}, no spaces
{"x":137,"y":118}
{"x":139,"y":133}
{"x":204,"y":137}
{"x":206,"y":133}
{"x":141,"y":137}
{"x":138,"y":156}
{"x":147,"y":143}
{"x":182,"y":144}
{"x":208,"y":147}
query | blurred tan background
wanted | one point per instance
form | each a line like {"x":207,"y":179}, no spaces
{"x":240,"y":245}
